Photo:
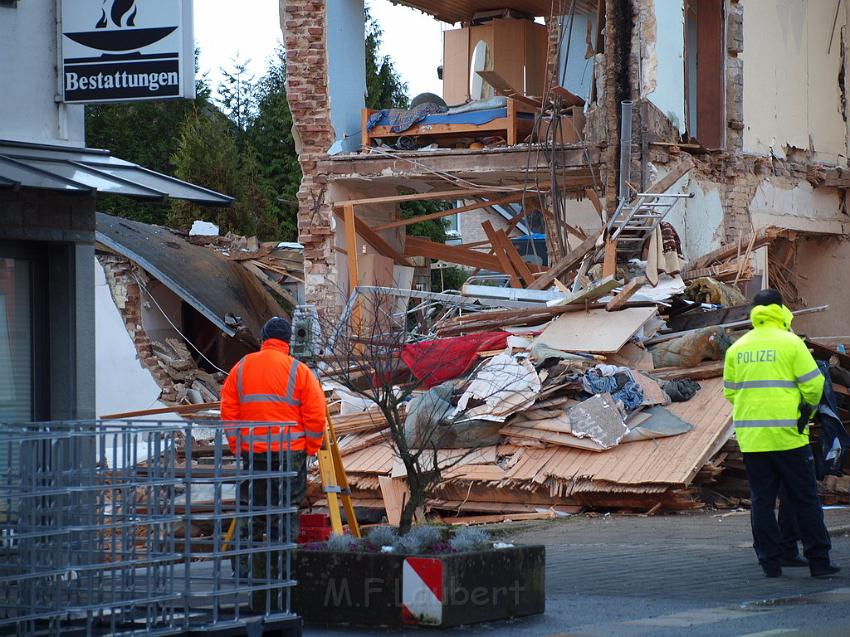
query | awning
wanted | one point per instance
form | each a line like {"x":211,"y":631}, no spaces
{"x":87,"y":170}
{"x":220,"y":289}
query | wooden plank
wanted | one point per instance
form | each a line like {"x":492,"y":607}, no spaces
{"x":269,"y":282}
{"x":590,"y":193}
{"x":416,"y":247}
{"x":591,"y":293}
{"x":177,"y":409}
{"x":625,"y":294}
{"x":425,"y":196}
{"x":502,"y":87}
{"x":568,"y":98}
{"x":564,"y":264}
{"x":501,"y":255}
{"x":351,"y":247}
{"x":522,"y":268}
{"x":371,"y":237}
{"x":763,"y":236}
{"x":580,"y":331}
{"x":364,"y":127}
{"x":609,"y":263}
{"x":395,"y":493}
{"x":495,"y":519}
{"x":452,"y":211}
{"x":703,"y":371}
{"x":711,"y":55}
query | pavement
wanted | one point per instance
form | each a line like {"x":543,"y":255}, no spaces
{"x":689,"y":574}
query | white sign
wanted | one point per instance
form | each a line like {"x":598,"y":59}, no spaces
{"x":127,"y":50}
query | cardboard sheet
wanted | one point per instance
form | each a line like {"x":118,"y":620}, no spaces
{"x":596,"y":331}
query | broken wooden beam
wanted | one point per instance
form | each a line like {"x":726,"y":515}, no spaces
{"x":369,"y":236}
{"x":177,"y":409}
{"x":622,"y":297}
{"x":416,"y":247}
{"x":426,"y":196}
{"x":501,"y":254}
{"x":564,"y":264}
{"x":513,"y":198}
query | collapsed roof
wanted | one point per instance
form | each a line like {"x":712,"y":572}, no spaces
{"x":220,"y":289}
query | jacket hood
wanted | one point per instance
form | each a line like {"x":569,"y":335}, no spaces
{"x":276,"y":344}
{"x":771,"y":316}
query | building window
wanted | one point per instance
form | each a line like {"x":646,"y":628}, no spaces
{"x":16,"y":341}
{"x":453,"y":226}
{"x":704,"y":72}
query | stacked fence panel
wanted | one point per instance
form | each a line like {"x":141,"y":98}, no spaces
{"x":142,"y":527}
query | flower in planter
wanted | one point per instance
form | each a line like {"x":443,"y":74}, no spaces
{"x":342,"y":543}
{"x":470,"y":539}
{"x":420,"y":539}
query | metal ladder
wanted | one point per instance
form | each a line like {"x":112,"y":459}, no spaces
{"x":634,"y":221}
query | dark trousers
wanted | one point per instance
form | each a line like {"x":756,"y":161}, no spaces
{"x":257,"y":495}
{"x":789,"y":530}
{"x":794,"y":472}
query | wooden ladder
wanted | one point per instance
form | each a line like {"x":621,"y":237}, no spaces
{"x":335,"y":482}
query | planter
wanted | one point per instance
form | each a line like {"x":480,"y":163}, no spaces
{"x":383,"y":589}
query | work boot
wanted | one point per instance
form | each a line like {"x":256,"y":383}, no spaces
{"x":825,"y":570}
{"x":772,"y":571}
{"x":794,"y":561}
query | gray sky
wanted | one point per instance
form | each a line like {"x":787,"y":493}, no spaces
{"x":412,"y":39}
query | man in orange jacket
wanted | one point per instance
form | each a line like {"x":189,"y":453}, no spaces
{"x":282,"y":405}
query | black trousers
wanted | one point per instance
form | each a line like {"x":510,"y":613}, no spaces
{"x":265,"y":493}
{"x":788,"y":527}
{"x":793,"y":472}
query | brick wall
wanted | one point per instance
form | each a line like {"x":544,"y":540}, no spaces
{"x":303,"y":23}
{"x":127,"y":295}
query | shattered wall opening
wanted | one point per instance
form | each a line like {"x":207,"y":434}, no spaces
{"x":159,"y":346}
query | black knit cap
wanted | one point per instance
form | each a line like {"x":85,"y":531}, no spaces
{"x":278,"y":328}
{"x":768,"y":296}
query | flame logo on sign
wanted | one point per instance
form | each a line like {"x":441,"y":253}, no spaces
{"x":119,"y":9}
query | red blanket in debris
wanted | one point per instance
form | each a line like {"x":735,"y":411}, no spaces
{"x":434,"y":362}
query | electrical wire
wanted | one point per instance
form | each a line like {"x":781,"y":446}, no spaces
{"x":170,"y":322}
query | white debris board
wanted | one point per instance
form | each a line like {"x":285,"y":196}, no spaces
{"x":596,"y":331}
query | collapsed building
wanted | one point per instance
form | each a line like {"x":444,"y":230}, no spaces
{"x":672,"y":154}
{"x":743,"y":101}
{"x":175,"y":312}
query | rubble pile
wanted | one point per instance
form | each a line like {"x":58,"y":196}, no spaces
{"x":602,"y":395}
{"x":277,"y":265}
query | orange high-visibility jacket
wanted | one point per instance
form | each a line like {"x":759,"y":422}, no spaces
{"x":270,"y":386}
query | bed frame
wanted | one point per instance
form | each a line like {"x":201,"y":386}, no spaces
{"x":513,"y":128}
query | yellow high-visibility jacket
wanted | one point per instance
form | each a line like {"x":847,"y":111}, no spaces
{"x":767,"y":374}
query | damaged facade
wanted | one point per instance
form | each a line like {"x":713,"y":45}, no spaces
{"x":751,"y":92}
{"x":176,"y":312}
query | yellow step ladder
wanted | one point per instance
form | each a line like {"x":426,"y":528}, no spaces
{"x":335,"y":482}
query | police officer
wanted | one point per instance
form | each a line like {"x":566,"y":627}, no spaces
{"x":768,"y":376}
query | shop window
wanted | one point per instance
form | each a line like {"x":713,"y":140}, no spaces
{"x":704,"y":72}
{"x":23,"y":338}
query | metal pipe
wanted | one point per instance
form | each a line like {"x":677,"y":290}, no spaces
{"x":625,"y":149}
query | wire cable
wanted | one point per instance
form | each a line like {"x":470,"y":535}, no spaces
{"x":170,"y":322}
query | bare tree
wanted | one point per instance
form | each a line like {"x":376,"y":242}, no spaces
{"x":363,"y":353}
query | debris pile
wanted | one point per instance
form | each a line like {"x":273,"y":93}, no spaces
{"x":589,"y":390}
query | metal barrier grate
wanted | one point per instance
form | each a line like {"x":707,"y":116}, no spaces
{"x":144,"y":527}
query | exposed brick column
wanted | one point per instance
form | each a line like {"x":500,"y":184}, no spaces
{"x":121,"y":278}
{"x":304,"y":28}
